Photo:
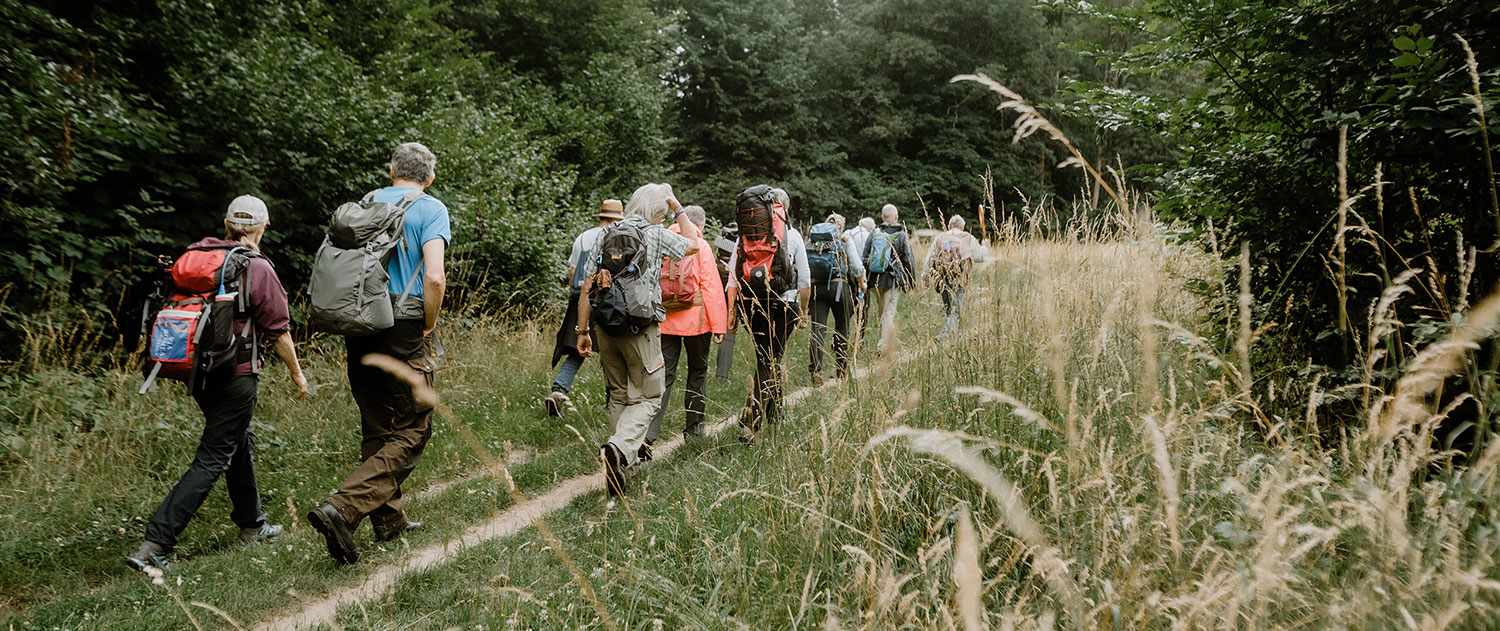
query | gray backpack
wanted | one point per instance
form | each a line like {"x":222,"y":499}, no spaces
{"x":348,"y":287}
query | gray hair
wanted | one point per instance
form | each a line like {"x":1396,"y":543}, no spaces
{"x":413,"y":161}
{"x":888,"y":212}
{"x":867,"y":222}
{"x":955,"y":221}
{"x":783,"y":199}
{"x":837,"y":220}
{"x":649,"y":202}
{"x":695,"y":214}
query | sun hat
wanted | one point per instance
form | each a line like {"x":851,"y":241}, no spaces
{"x":247,"y":210}
{"x":612,"y":209}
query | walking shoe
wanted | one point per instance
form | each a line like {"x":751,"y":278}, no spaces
{"x":747,"y":435}
{"x":817,"y":379}
{"x":644,"y":453}
{"x":150,"y":554}
{"x":265,"y":532}
{"x":614,"y":469}
{"x":387,"y":534}
{"x":693,"y":431}
{"x":336,"y":533}
{"x":558,"y":403}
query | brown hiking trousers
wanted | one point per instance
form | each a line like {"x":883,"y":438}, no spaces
{"x":394,"y":425}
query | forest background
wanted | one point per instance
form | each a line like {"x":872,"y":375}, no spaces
{"x":130,"y":124}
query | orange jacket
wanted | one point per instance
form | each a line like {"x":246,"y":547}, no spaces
{"x":709,"y":313}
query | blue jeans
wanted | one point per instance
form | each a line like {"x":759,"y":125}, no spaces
{"x":567,"y":372}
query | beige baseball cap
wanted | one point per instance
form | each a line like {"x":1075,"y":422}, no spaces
{"x":247,"y":210}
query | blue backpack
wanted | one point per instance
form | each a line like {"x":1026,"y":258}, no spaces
{"x":882,"y":244}
{"x":827,"y":257}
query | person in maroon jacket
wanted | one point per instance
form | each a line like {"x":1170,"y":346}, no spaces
{"x":227,"y":400}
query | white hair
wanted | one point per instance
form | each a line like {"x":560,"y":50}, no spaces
{"x":888,"y":213}
{"x":413,"y":161}
{"x":868,"y":223}
{"x":649,"y":202}
{"x":955,"y":221}
{"x":837,"y":220}
{"x":696,"y":215}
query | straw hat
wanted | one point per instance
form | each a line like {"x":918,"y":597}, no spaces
{"x":612,"y":209}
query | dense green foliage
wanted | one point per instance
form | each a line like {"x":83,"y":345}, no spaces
{"x":133,"y":123}
{"x":1255,"y":93}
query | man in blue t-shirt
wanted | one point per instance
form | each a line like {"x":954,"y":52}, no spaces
{"x":395,"y":424}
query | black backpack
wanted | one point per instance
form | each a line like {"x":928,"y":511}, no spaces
{"x":622,"y":302}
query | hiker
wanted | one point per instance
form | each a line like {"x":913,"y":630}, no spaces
{"x":769,"y":285}
{"x":693,"y":296}
{"x":566,"y":347}
{"x":622,"y":294}
{"x":857,"y":236}
{"x":395,"y":422}
{"x":227,"y":395}
{"x":837,"y":278}
{"x":723,"y":250}
{"x":949,"y":262}
{"x":889,"y":271}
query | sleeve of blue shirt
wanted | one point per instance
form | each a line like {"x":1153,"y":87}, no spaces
{"x":437,"y":225}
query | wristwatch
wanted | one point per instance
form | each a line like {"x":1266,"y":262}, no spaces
{"x":581,"y":331}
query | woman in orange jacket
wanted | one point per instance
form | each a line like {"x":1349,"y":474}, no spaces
{"x":697,"y":317}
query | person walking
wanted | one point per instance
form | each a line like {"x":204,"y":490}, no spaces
{"x":395,"y":424}
{"x":697,"y":318}
{"x":566,"y":347}
{"x":227,"y":398}
{"x":837,"y":278}
{"x":890,"y":271}
{"x":770,"y":318}
{"x":949,"y":263}
{"x":622,"y":285}
{"x":857,"y":236}
{"x":723,"y":250}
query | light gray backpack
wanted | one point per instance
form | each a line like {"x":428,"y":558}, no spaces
{"x":348,"y":287}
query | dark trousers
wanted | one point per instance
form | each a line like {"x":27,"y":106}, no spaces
{"x":842,"y":310}
{"x":394,"y":425}
{"x":770,"y":324}
{"x":226,"y":448}
{"x":694,"y":394}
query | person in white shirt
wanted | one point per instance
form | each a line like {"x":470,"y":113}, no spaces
{"x":566,"y":347}
{"x":771,"y":321}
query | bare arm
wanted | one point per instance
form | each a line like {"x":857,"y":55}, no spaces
{"x":585,"y":343}
{"x":434,"y":282}
{"x":803,"y":295}
{"x":732,"y":297}
{"x":288,"y":354}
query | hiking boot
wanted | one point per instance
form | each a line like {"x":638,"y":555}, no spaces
{"x":693,"y":431}
{"x":150,"y":554}
{"x":644,"y":453}
{"x":265,"y":532}
{"x":747,"y":435}
{"x":614,"y":469}
{"x":387,"y":534}
{"x":558,"y":403}
{"x":817,"y":379}
{"x":336,"y":533}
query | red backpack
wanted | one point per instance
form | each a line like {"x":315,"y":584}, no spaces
{"x":765,"y":270}
{"x":194,"y":334}
{"x":679,"y":283}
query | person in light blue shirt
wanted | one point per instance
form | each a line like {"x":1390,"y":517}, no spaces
{"x":394,"y":423}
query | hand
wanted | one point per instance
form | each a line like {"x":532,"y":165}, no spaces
{"x":301,"y":381}
{"x":718,"y":338}
{"x":585,"y":345}
{"x":672,"y":203}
